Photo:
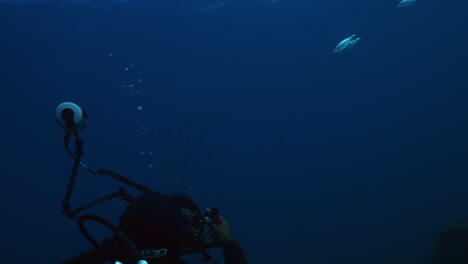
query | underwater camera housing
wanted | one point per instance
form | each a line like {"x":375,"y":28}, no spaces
{"x":72,"y":119}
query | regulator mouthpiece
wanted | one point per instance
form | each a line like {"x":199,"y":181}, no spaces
{"x":70,"y":117}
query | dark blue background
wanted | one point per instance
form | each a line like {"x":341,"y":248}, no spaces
{"x":311,"y":160}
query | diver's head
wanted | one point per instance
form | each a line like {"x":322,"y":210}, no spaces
{"x":161,"y":225}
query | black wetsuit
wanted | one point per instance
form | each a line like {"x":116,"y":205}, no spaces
{"x":233,"y":253}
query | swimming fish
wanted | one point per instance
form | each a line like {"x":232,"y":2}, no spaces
{"x":405,"y":3}
{"x":346,"y":44}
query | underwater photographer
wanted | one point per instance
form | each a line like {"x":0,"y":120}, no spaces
{"x":452,"y":244}
{"x":155,"y":228}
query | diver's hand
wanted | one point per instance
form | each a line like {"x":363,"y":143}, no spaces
{"x":222,"y":232}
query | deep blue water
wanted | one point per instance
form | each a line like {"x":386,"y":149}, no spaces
{"x":311,"y":160}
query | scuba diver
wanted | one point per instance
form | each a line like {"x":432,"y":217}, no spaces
{"x":452,"y":244}
{"x":154,"y":228}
